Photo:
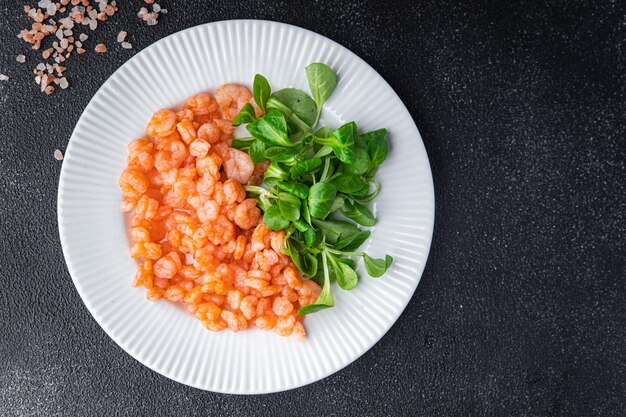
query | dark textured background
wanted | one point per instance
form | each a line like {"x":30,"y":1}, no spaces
{"x":522,"y":307}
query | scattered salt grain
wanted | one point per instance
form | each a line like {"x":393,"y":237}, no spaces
{"x":20,"y":58}
{"x":83,"y":37}
{"x":64,"y":83}
{"x":101,"y":48}
{"x":121,"y":36}
{"x":4,"y":77}
{"x":156,"y":8}
{"x":58,"y":155}
{"x":151,"y":22}
{"x":126,"y":45}
{"x":68,"y":23}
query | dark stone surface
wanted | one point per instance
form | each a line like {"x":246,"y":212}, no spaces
{"x":522,"y":307}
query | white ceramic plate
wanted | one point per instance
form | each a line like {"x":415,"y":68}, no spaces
{"x":163,"y":336}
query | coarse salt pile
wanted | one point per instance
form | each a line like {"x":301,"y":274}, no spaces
{"x":151,"y":18}
{"x":61,"y":19}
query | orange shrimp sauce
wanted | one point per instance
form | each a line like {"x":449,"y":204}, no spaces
{"x":198,"y":240}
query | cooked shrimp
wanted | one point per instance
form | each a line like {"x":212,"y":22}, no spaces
{"x":133,"y":183}
{"x":248,"y":306}
{"x":236,"y":321}
{"x":225,"y":125}
{"x":138,"y":146}
{"x":290,"y":294}
{"x":260,"y":238}
{"x":282,"y":306}
{"x":140,"y":154}
{"x":309,"y":289}
{"x":184,"y":188}
{"x":198,"y":240}
{"x":144,"y":161}
{"x":239,"y":166}
{"x":168,"y":266}
{"x":299,"y":331}
{"x":231,"y":98}
{"x":233,"y":191}
{"x":265,"y":322}
{"x":277,"y":240}
{"x":205,"y":185}
{"x":187,"y":172}
{"x":210,"y":310}
{"x":208,"y":212}
{"x":210,"y":132}
{"x":240,"y":247}
{"x":146,"y":207}
{"x":203,"y":260}
{"x":285,"y":325}
{"x":222,"y":230}
{"x":199,"y":148}
{"x":293,"y":278}
{"x":214,"y":325}
{"x":266,"y":259}
{"x":178,"y":152}
{"x":184,"y":114}
{"x":162,"y":123}
{"x":222,"y":149}
{"x":218,"y":193}
{"x":201,"y":104}
{"x":174,"y":293}
{"x":187,"y":131}
{"x":247,"y":214}
{"x":208,"y":166}
{"x":139,"y":235}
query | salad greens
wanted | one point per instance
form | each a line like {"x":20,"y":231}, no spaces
{"x":314,"y":176}
{"x":322,"y":83}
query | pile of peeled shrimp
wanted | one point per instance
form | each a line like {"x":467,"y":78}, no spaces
{"x":197,"y":238}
